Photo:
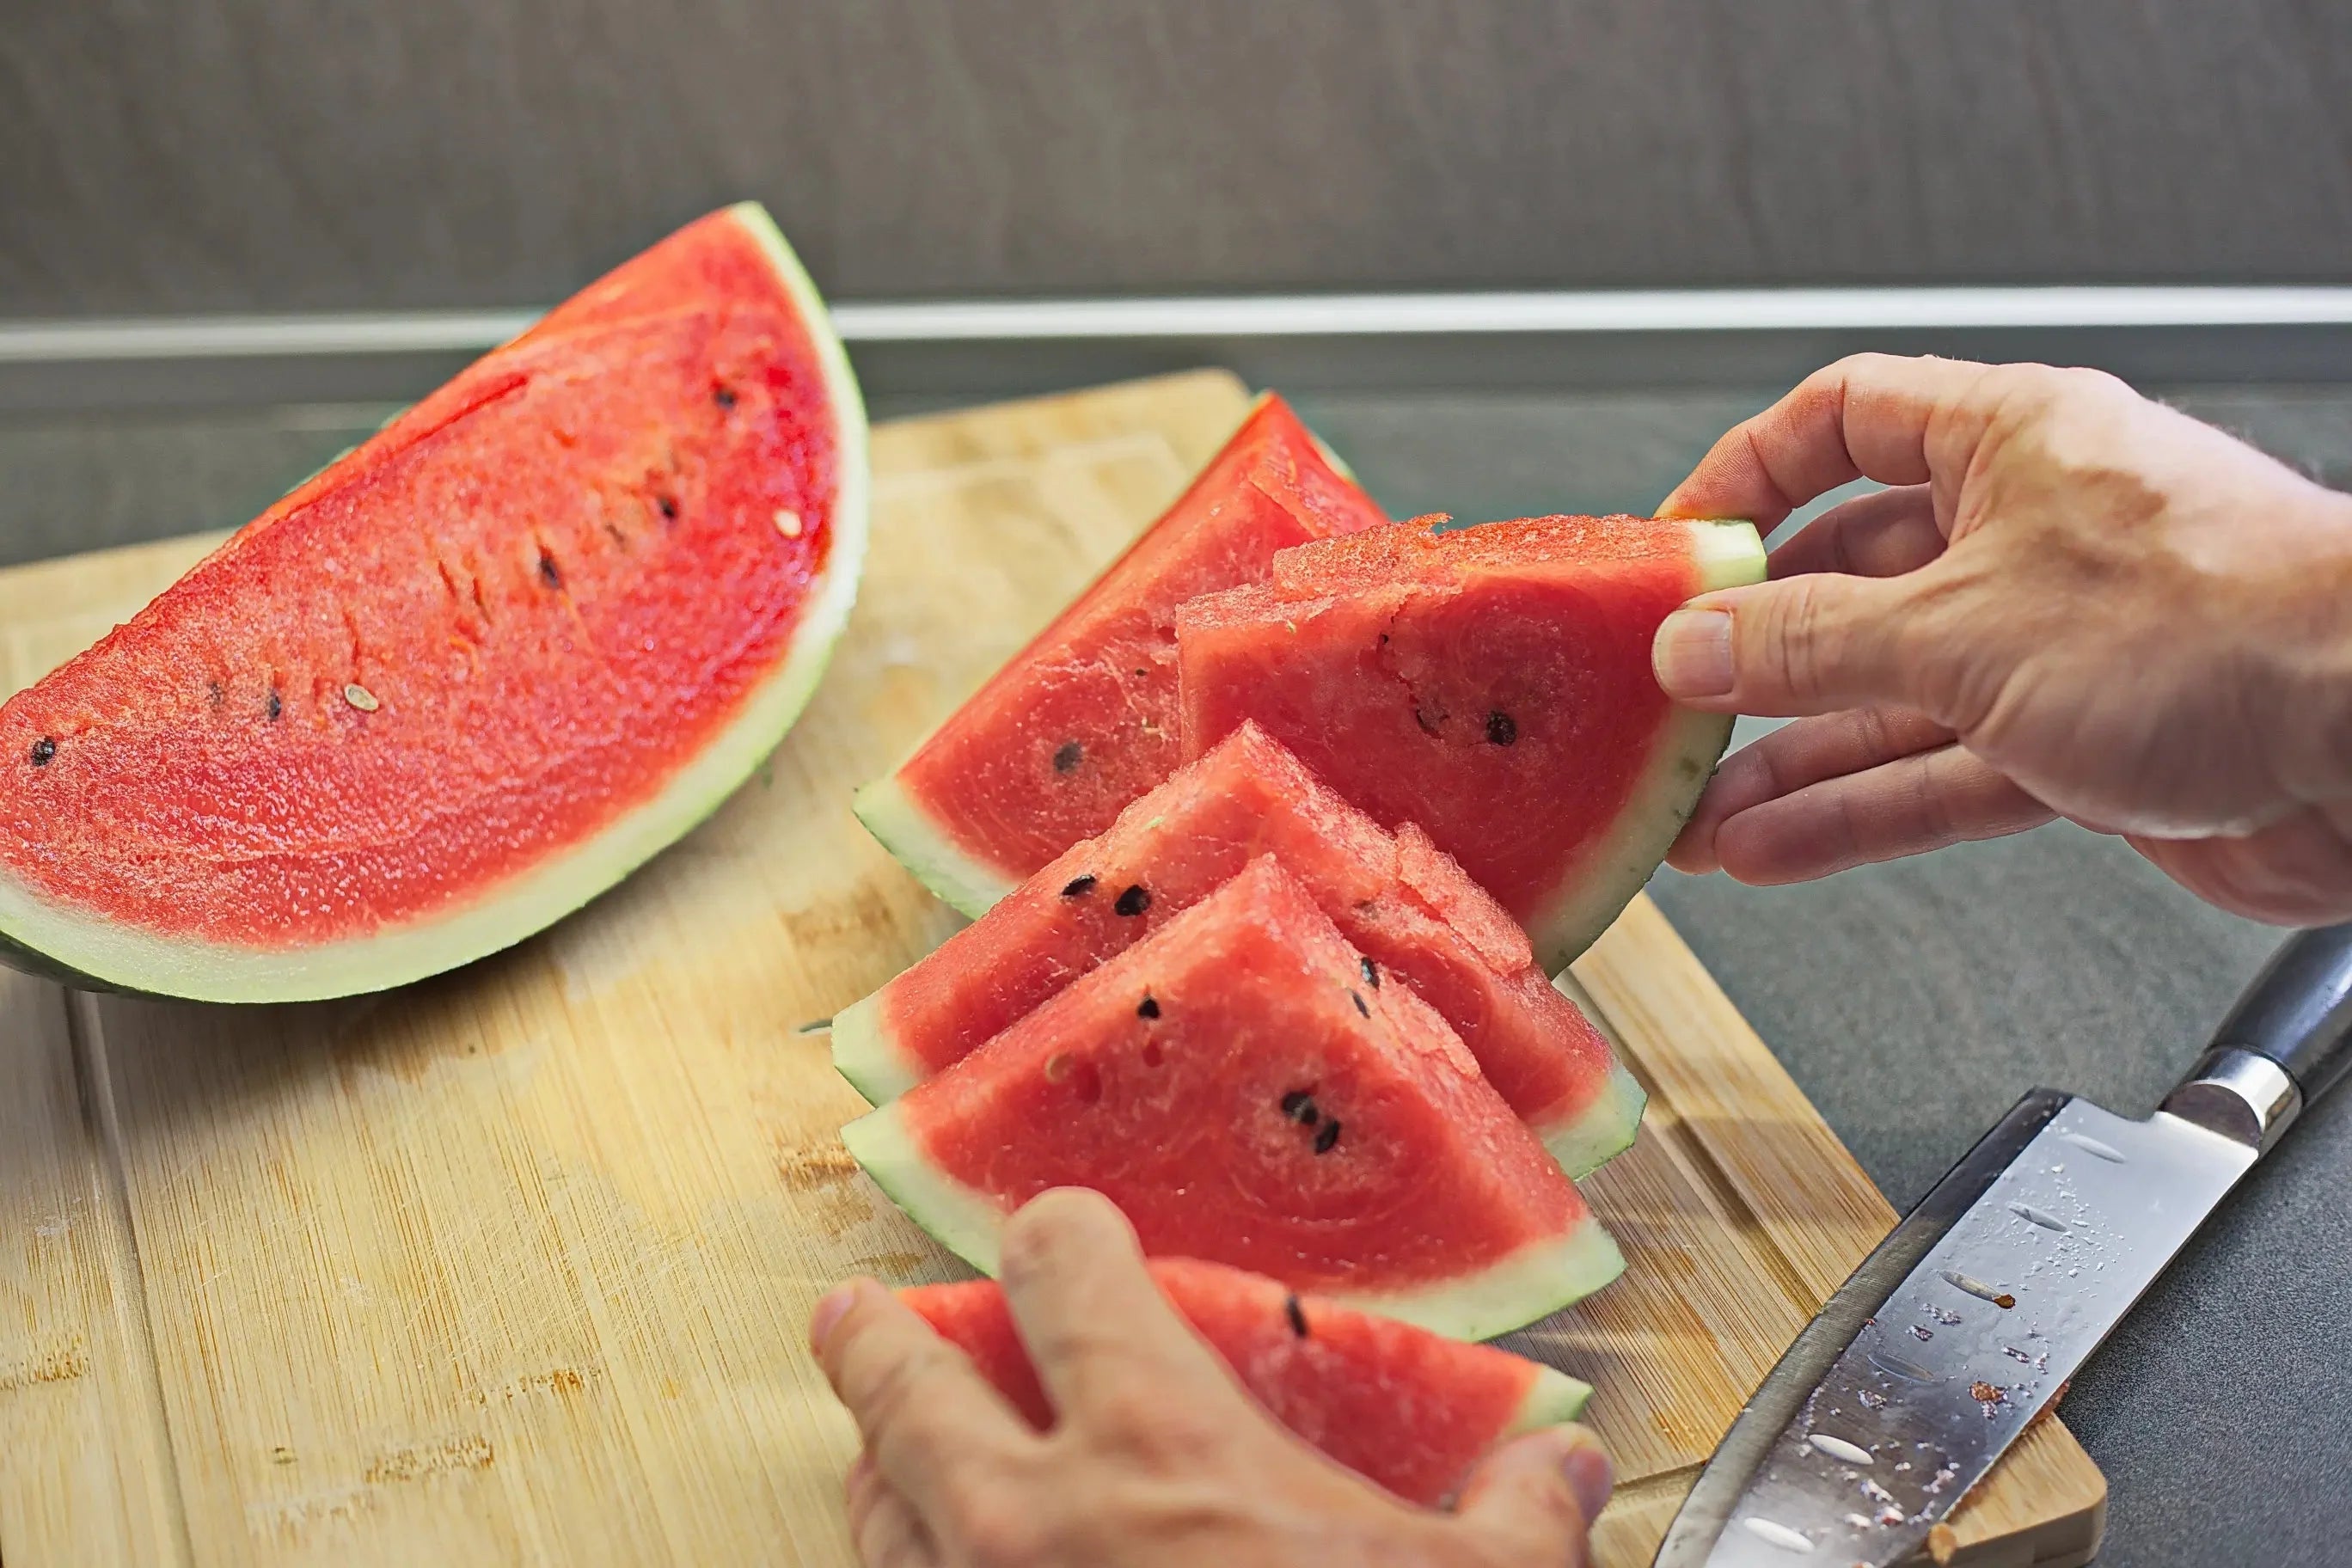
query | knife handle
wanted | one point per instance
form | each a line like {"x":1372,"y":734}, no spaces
{"x":2287,"y":1042}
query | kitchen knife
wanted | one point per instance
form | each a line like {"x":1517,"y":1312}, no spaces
{"x":1967,"y":1320}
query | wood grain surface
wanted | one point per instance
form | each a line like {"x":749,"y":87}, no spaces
{"x":273,"y":155}
{"x":512,"y":1266}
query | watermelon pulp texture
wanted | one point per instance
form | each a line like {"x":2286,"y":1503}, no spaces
{"x":1082,"y":719}
{"x":1492,"y":684}
{"x":473,"y":671}
{"x":1402,"y":903}
{"x":1235,"y":1087}
{"x":1397,"y":1405}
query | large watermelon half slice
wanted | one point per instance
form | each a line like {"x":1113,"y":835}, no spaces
{"x":1492,"y":684}
{"x":1397,"y":1405}
{"x":1403,"y":904}
{"x":1236,"y":1086}
{"x":469,"y":676}
{"x":1082,"y":719}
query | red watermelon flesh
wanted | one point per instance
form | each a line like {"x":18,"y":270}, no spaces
{"x":471,"y":673}
{"x":1082,"y":719}
{"x":1491,"y":684}
{"x":1401,"y":901}
{"x":1237,"y":1087}
{"x":1397,"y":1405}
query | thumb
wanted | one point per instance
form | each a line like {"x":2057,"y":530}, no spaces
{"x":1536,"y":1498}
{"x":1811,"y":644}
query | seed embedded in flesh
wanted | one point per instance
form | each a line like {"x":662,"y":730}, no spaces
{"x":1371,"y":974}
{"x":1327,"y":1137}
{"x":547,"y":571}
{"x":1057,"y":1067}
{"x":1148,"y":1007}
{"x":277,"y":703}
{"x":724,"y":396}
{"x":1300,"y":1106}
{"x":1358,"y":999}
{"x":43,"y":750}
{"x":1078,"y":887}
{"x":1067,"y":755}
{"x":668,"y":505}
{"x":1501,"y":728}
{"x":1297,"y":1316}
{"x":361,"y":697}
{"x":788,"y":522}
{"x":1133,"y":902}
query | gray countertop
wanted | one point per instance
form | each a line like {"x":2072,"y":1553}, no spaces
{"x":1914,"y":1002}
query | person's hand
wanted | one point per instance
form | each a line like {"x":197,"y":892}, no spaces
{"x":1156,"y":1456}
{"x":2073,"y":602}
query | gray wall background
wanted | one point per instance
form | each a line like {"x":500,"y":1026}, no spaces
{"x":168,"y":155}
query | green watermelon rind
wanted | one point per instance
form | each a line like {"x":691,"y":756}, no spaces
{"x":1533,"y":1282}
{"x":94,"y":953}
{"x":1553,"y":1399}
{"x":1729,"y":553}
{"x":914,"y":840}
{"x":866,"y":1053}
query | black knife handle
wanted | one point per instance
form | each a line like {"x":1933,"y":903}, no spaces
{"x":2298,"y":1011}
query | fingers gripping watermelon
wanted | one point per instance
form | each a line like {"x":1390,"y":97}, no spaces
{"x":474,"y":672}
{"x":1082,"y":719}
{"x":1397,"y":1405}
{"x":1491,"y":684}
{"x":1403,"y":904}
{"x":1235,"y":1087}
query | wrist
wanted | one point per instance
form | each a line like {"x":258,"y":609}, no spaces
{"x":2318,"y":658}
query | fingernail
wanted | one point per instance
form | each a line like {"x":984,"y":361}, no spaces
{"x":1590,"y":1476}
{"x":1692,"y":655}
{"x":828,"y":1312}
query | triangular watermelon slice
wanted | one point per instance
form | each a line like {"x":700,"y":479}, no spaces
{"x":1237,"y":1087}
{"x":1491,"y":684}
{"x":1397,"y":1405}
{"x":1082,"y":719}
{"x":474,"y":672}
{"x":1399,"y":901}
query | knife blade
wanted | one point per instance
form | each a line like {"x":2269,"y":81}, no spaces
{"x":1963,"y":1325}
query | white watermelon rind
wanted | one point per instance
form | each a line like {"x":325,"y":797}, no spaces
{"x":1531,"y":1283}
{"x":1553,"y":1399}
{"x":94,"y":952}
{"x":915,"y":841}
{"x":866,"y":1053}
{"x":1604,"y":1129}
{"x":1729,"y":554}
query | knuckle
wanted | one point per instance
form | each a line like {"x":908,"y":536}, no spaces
{"x":1000,"y":1529}
{"x":1132,"y":1416}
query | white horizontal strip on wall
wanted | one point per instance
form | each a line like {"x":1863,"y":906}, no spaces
{"x":1254,"y":316}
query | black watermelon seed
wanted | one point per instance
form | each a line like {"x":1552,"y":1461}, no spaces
{"x":547,"y":572}
{"x":1327,"y":1137}
{"x":1148,"y":1008}
{"x":1291,"y":1309}
{"x":1358,"y":999}
{"x":277,"y":703}
{"x":668,"y":505}
{"x":1067,"y":756}
{"x":1371,"y":974}
{"x":1078,"y":887}
{"x":1141,"y":674}
{"x":43,"y":750}
{"x":1300,"y":1106}
{"x":215,"y":693}
{"x":724,"y":396}
{"x":1133,"y":902}
{"x":1501,"y":728}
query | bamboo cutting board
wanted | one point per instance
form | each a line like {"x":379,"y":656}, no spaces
{"x":513,"y":1265}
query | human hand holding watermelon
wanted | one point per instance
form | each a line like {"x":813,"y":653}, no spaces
{"x":1157,"y":1453}
{"x":2073,"y":602}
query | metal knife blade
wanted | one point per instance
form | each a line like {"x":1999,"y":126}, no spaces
{"x":1962,"y":1326}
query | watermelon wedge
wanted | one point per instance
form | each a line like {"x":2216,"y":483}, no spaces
{"x":473,"y":673}
{"x":1402,"y":903}
{"x":1397,"y":1405}
{"x":1082,"y":719}
{"x":1237,"y":1086}
{"x":1492,"y":684}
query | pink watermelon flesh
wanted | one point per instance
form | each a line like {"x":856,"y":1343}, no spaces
{"x":1397,"y":1405}
{"x":1233,"y":1084}
{"x":472,"y":646}
{"x":1402,"y":903}
{"x":1491,"y":684}
{"x":1083,"y":720}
